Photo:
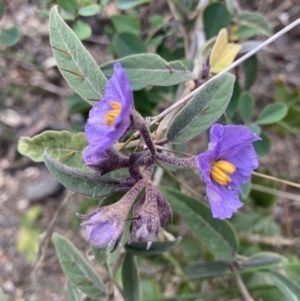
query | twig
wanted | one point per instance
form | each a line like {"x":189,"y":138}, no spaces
{"x":275,"y":241}
{"x":242,"y":287}
{"x":183,"y":184}
{"x":276,"y":179}
{"x":181,"y":28}
{"x":173,"y":151}
{"x":232,"y":66}
{"x":282,"y":194}
{"x":45,"y":237}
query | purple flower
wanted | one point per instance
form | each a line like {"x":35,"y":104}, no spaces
{"x":226,"y":165}
{"x":109,"y":118}
{"x":104,"y":226}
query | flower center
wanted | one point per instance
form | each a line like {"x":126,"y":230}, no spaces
{"x":219,"y":170}
{"x":111,"y":115}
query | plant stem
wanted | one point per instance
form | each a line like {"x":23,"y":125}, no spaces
{"x":232,"y":66}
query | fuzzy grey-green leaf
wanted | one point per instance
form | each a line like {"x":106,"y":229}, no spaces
{"x":216,"y":235}
{"x":75,"y":63}
{"x":157,"y":247}
{"x":73,"y":293}
{"x":80,"y":181}
{"x":66,"y":147}
{"x":256,"y":21}
{"x":203,"y":109}
{"x":2,"y":296}
{"x":130,"y":279}
{"x":151,"y":69}
{"x":288,"y":288}
{"x":207,"y":269}
{"x":77,"y":269}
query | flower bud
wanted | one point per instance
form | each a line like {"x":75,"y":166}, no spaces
{"x":101,"y":235}
{"x":105,"y":225}
{"x":105,"y":162}
{"x":164,"y":209}
{"x":146,"y":220}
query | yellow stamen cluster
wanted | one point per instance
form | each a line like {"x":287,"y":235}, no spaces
{"x":111,"y":115}
{"x":219,"y":170}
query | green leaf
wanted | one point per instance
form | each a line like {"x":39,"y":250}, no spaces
{"x":157,"y":247}
{"x":230,"y":6}
{"x":130,"y":279}
{"x":77,"y":269}
{"x":216,"y":235}
{"x":2,"y":296}
{"x":262,"y":259}
{"x":263,"y":199}
{"x":2,"y":9}
{"x":245,"y":32}
{"x":83,"y":74}
{"x":245,"y":190}
{"x":246,"y":106}
{"x":250,"y":69}
{"x":256,"y":21}
{"x":263,"y":146}
{"x":202,"y":110}
{"x":88,"y":10}
{"x":68,"y":5}
{"x":76,"y":104}
{"x":215,"y":17}
{"x":207,"y":269}
{"x":10,"y":36}
{"x":288,"y":288}
{"x":234,"y":99}
{"x":272,"y":113}
{"x":43,"y":12}
{"x":82,"y":30}
{"x":151,"y":288}
{"x":249,"y":45}
{"x":126,"y":4}
{"x":254,"y":128}
{"x":125,"y":44}
{"x":124,"y":23}
{"x":150,"y":69}
{"x":73,"y":293}
{"x":86,"y":183}
{"x":68,"y":147}
{"x":101,"y":255}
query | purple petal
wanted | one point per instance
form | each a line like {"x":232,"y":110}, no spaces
{"x":100,"y":235}
{"x":230,"y":139}
{"x":98,"y":133}
{"x":205,"y":161}
{"x":246,"y":161}
{"x":223,"y":202}
{"x":142,"y":233}
{"x":91,"y":156}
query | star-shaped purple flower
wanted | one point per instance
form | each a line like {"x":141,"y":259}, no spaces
{"x":109,"y":118}
{"x":228,"y":163}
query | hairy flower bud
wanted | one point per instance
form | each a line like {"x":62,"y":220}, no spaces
{"x":146,"y":220}
{"x":106,"y":161}
{"x":105,"y":225}
{"x":164,"y":209}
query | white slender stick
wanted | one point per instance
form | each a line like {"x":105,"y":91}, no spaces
{"x":237,"y":62}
